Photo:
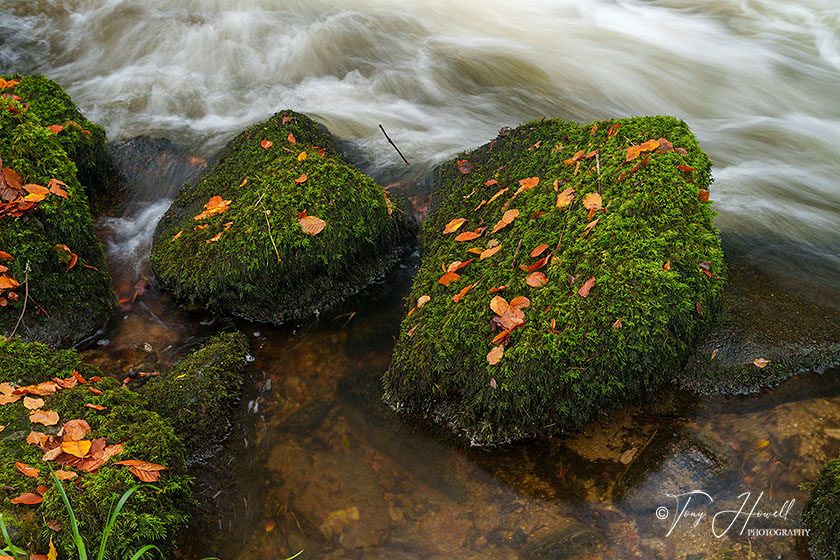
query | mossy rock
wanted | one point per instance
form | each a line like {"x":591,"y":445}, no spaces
{"x":150,"y":516}
{"x":253,"y":259}
{"x":84,"y":142}
{"x":575,"y":356}
{"x":63,"y":306}
{"x":822,"y":513}
{"x":199,"y":395}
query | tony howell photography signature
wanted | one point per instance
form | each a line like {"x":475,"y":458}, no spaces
{"x":694,"y":507}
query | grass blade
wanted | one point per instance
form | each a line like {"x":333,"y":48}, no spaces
{"x":74,"y":526}
{"x":112,"y":518}
{"x":11,"y":548}
{"x":144,"y":550}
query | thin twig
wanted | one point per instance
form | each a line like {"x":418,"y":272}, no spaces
{"x":25,"y":299}
{"x":394,"y":145}
{"x":598,"y":167}
{"x":513,"y":264}
{"x":271,"y":237}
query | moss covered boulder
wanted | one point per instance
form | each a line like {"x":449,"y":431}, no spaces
{"x":150,"y":516}
{"x":565,"y":269}
{"x":199,"y":395}
{"x":83,"y":140}
{"x":236,"y":238}
{"x":822,"y":513}
{"x":53,"y":264}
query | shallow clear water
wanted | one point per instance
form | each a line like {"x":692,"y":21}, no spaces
{"x":317,"y":462}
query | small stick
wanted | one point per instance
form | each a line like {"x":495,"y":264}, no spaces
{"x":25,"y":299}
{"x":394,"y":145}
{"x":513,"y":265}
{"x":276,"y":252}
{"x":598,"y":167}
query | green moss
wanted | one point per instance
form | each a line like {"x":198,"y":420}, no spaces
{"x":822,"y":513}
{"x":149,"y":516}
{"x":198,"y":396}
{"x":554,"y":380}
{"x":240,"y":272}
{"x":64,"y":306}
{"x":53,"y":106}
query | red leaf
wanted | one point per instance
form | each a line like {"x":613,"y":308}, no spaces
{"x":448,"y":278}
{"x":703,"y":196}
{"x":266,"y":144}
{"x":28,"y":499}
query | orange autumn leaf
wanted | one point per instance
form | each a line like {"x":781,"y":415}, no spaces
{"x":650,"y":145}
{"x":529,"y":183}
{"x":632,"y":153}
{"x":312,"y":225}
{"x":216,"y":205}
{"x":468,"y":236}
{"x":28,"y":499}
{"x":703,"y":196}
{"x":590,"y":225}
{"x":495,"y":289}
{"x":453,"y":225}
{"x":266,"y":144}
{"x":448,"y":278}
{"x":499,"y":305}
{"x":489,"y":252}
{"x":74,"y":430}
{"x":55,"y":128}
{"x":301,"y":179}
{"x":301,"y":156}
{"x":95,"y":406}
{"x":539,"y":264}
{"x":6,"y":256}
{"x":497,"y":195}
{"x":458,"y":265}
{"x":147,"y":472}
{"x":612,"y":131}
{"x":490,"y":183}
{"x":27,"y":470}
{"x":457,"y":297}
{"x":538,"y":250}
{"x":587,"y":286}
{"x":76,"y":448}
{"x":574,"y":158}
{"x":495,"y":355}
{"x":465,"y":166}
{"x":520,"y":302}
{"x":65,"y":475}
{"x":593,"y":201}
{"x":45,"y":417}
{"x":760,"y":362}
{"x":667,"y":266}
{"x":32,"y":404}
{"x":565,"y":198}
{"x":291,"y":138}
{"x":506,"y":220}
{"x":215,"y":238}
{"x":176,"y":236}
{"x":536,"y":280}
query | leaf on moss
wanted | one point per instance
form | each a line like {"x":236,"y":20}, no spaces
{"x":302,"y":179}
{"x":490,"y":183}
{"x":291,"y":138}
{"x":495,"y":289}
{"x":575,"y":158}
{"x":565,"y":198}
{"x":667,"y":266}
{"x":760,"y":362}
{"x":45,"y":417}
{"x":98,"y":407}
{"x":457,"y":297}
{"x":27,"y":470}
{"x":499,"y":305}
{"x":216,"y":205}
{"x":528,"y":184}
{"x":76,"y":448}
{"x":497,"y":195}
{"x":703,"y":195}
{"x":536,"y":280}
{"x":301,"y":156}
{"x":465,"y":167}
{"x":496,"y":354}
{"x":454,"y":225}
{"x":29,"y":499}
{"x":506,"y":220}
{"x":448,"y":278}
{"x":590,"y":225}
{"x":65,"y":475}
{"x":266,"y":144}
{"x":32,"y":404}
{"x":489,"y":252}
{"x":613,"y":130}
{"x":311,"y":225}
{"x":469,"y":235}
{"x":587,"y":286}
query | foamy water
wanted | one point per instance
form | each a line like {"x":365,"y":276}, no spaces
{"x":757,"y":80}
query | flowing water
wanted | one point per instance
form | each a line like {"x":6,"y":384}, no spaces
{"x":317,"y":463}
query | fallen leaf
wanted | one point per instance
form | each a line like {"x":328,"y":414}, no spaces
{"x":590,"y":225}
{"x":685,"y":168}
{"x":667,"y":266}
{"x":457,"y":297}
{"x":27,"y":470}
{"x":760,"y":362}
{"x":495,"y":355}
{"x":592,"y":201}
{"x":301,"y":179}
{"x":536,"y":280}
{"x":177,"y":235}
{"x":448,"y":278}
{"x":489,"y":252}
{"x":490,"y":183}
{"x":699,"y":308}
{"x":28,"y":499}
{"x":215,"y":238}
{"x":45,"y":417}
{"x":492,"y":381}
{"x":565,"y":198}
{"x":302,"y":156}
{"x":76,"y":448}
{"x":468,"y":236}
{"x":312,"y":225}
{"x":520,"y":302}
{"x":506,"y":220}
{"x":55,"y":128}
{"x":65,"y":475}
{"x":453,"y":225}
{"x":495,"y":289}
{"x":465,"y":167}
{"x":32,"y":404}
{"x":618,"y":323}
{"x":587,"y":286}
{"x":458,"y":265}
{"x":539,"y":250}
{"x":291,"y":138}
{"x":529,"y":183}
{"x":499,"y":305}
{"x":53,"y":525}
{"x":423,"y":300}
{"x":703,"y":195}
{"x":613,"y":129}
{"x":266,"y":144}
{"x":574,"y":158}
{"x":216,"y":205}
{"x":95,"y":406}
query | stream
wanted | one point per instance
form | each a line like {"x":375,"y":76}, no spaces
{"x":316,"y":462}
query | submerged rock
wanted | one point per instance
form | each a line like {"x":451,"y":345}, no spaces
{"x":248,"y":253}
{"x":55,"y":264}
{"x":199,"y":395}
{"x":822,"y":513}
{"x":148,"y":517}
{"x":586,"y":266}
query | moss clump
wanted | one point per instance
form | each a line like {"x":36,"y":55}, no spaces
{"x":822,"y":513}
{"x":64,"y":306}
{"x":199,"y":394}
{"x":575,"y":356}
{"x":149,"y":516}
{"x":263,"y":267}
{"x":83,"y":142}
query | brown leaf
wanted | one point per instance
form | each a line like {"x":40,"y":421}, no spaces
{"x":760,"y":362}
{"x":565,"y":198}
{"x":587,"y":286}
{"x":448,"y":278}
{"x":539,"y":264}
{"x":618,"y":323}
{"x":468,"y":236}
{"x":423,"y":300}
{"x":501,"y":337}
{"x":520,"y":302}
{"x":55,"y":128}
{"x":465,"y":167}
{"x":613,"y":129}
{"x":95,"y":406}
{"x":291,"y":138}
{"x":539,"y":250}
{"x":529,"y":183}
{"x":53,"y":525}
{"x":499,"y":305}
{"x":28,"y":499}
{"x":32,"y":404}
{"x":45,"y":417}
{"x":495,"y":289}
{"x":592,"y":201}
{"x":489,"y":252}
{"x":497,"y":195}
{"x":506,"y":220}
{"x":490,"y":183}
{"x":536,"y":280}
{"x":65,"y":475}
{"x":574,"y":158}
{"x":590,"y":225}
{"x":27,"y":470}
{"x":453,"y":225}
{"x":703,"y":196}
{"x":667,"y":266}
{"x":458,"y":265}
{"x":495,"y":355}
{"x":312,"y":225}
